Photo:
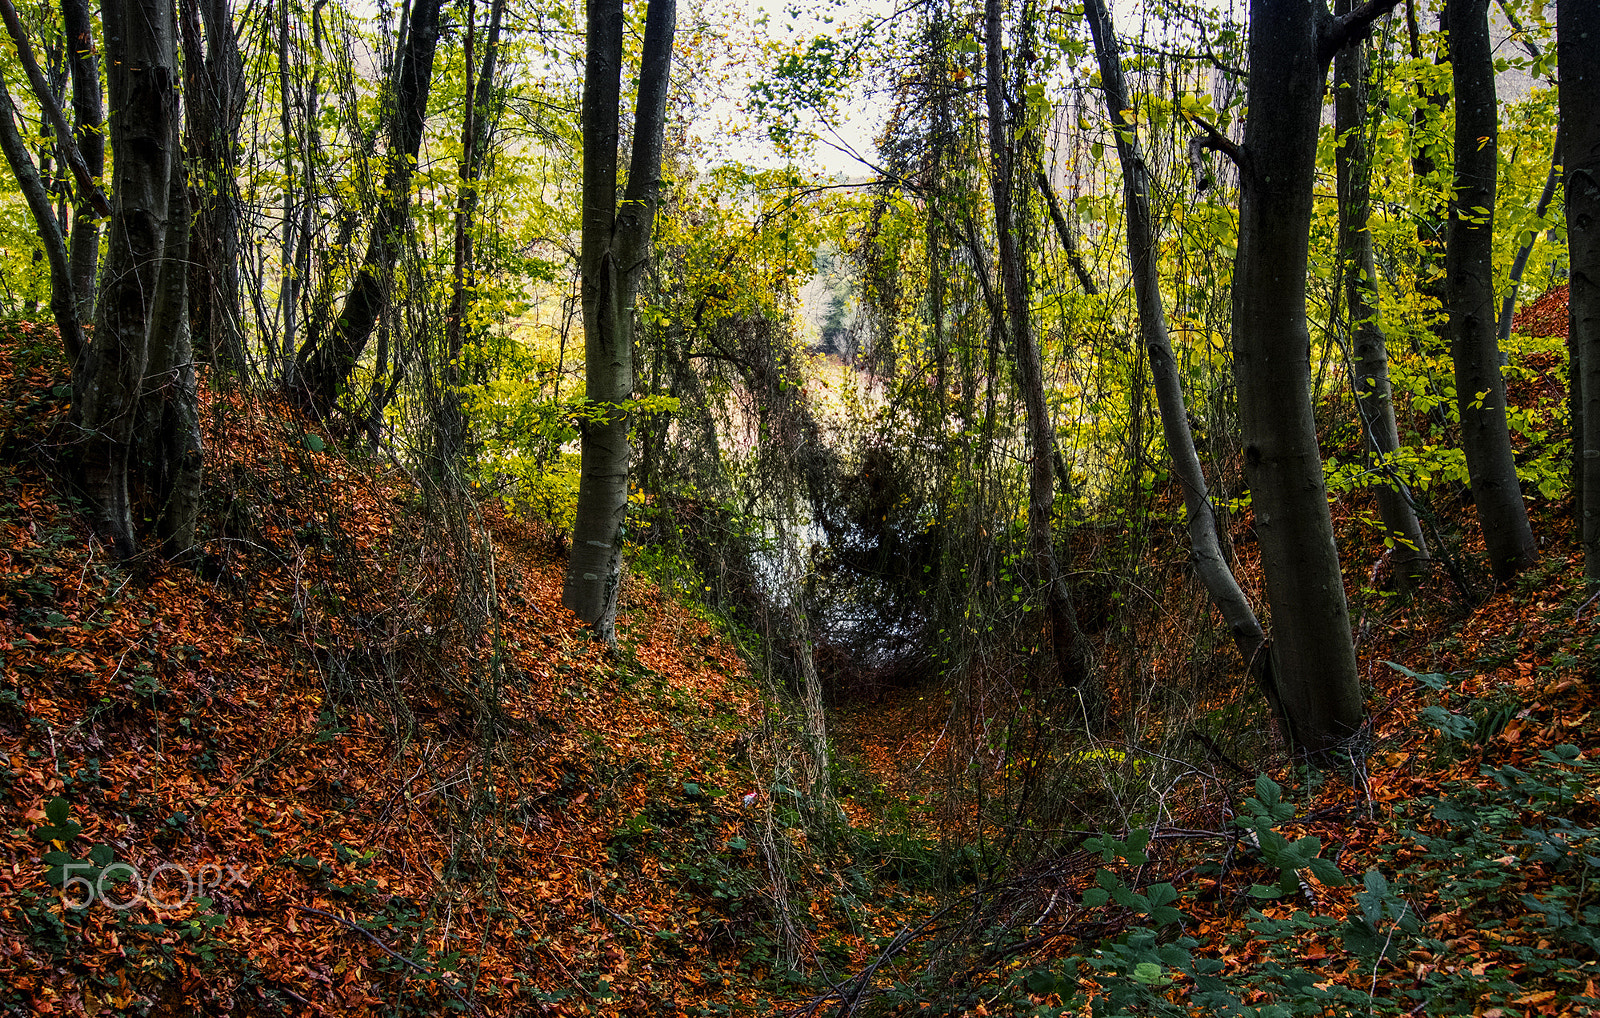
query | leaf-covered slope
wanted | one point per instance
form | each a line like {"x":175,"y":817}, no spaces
{"x":324,"y":772}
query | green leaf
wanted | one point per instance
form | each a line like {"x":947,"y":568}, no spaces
{"x":313,"y":442}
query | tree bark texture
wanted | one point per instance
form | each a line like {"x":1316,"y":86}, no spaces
{"x":1578,"y":51}
{"x":1374,"y":399}
{"x":142,"y":77}
{"x":1072,"y":668}
{"x":1210,"y":564}
{"x":1313,"y":653}
{"x":325,"y":363}
{"x":1469,"y":288}
{"x":615,"y":246}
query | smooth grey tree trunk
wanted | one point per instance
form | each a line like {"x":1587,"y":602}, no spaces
{"x":1210,"y":564}
{"x":142,"y":76}
{"x":1313,"y":652}
{"x":615,"y":246}
{"x":88,"y":115}
{"x":1469,"y":289}
{"x":1578,"y":50}
{"x":1071,"y":665}
{"x":1374,"y":401}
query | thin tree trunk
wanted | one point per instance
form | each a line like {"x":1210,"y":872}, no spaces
{"x":1578,"y":49}
{"x":1069,"y":240}
{"x":1374,"y":403}
{"x":1072,"y":669}
{"x":325,"y":363}
{"x":475,"y":131}
{"x":1210,"y":564}
{"x":142,"y":61}
{"x":63,"y":295}
{"x":1469,"y":272}
{"x":214,"y":103}
{"x":1519,"y":264}
{"x":88,"y":123}
{"x":616,"y":243}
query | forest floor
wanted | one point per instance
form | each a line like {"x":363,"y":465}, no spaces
{"x":324,"y":772}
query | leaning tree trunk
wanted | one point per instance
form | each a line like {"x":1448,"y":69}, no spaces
{"x":1578,"y":48}
{"x":1313,"y":654}
{"x":214,"y":94}
{"x":1469,"y":287}
{"x":1374,"y":402}
{"x":325,"y":363}
{"x":615,"y":246}
{"x":142,"y":76}
{"x":1210,"y":563}
{"x":1072,"y":669}
{"x":63,"y":295}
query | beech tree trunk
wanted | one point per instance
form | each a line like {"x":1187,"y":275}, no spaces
{"x":324,"y":363}
{"x":142,"y":74}
{"x":1578,"y":50}
{"x":1469,"y":286}
{"x":1313,"y":653}
{"x":1072,"y":668}
{"x":1210,"y":564}
{"x":1353,"y":172}
{"x":615,"y":246}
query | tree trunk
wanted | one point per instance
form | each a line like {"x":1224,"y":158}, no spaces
{"x":475,"y":130}
{"x":1313,"y":655}
{"x":63,"y":295}
{"x":1519,"y":264}
{"x":88,"y":123}
{"x":1425,"y":121}
{"x":142,"y":77}
{"x":214,"y":93}
{"x":171,"y":455}
{"x":1072,"y":669}
{"x":616,"y":243}
{"x":326,"y":362}
{"x":1374,"y":403}
{"x":1578,"y":49}
{"x":1469,"y":286}
{"x":1210,"y":563}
